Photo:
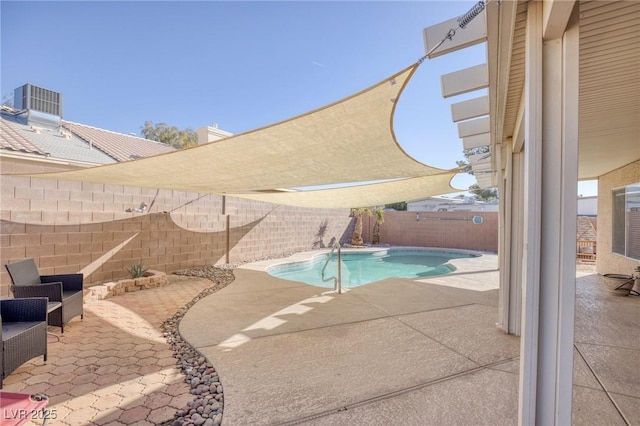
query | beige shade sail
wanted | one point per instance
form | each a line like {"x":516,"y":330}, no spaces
{"x":351,"y":140}
{"x":376,"y":194}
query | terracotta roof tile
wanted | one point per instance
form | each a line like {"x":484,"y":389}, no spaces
{"x":120,"y":146}
{"x":586,"y":231}
{"x":18,"y":135}
{"x":12,"y":139}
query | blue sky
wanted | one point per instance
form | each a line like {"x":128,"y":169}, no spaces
{"x":242,"y":65}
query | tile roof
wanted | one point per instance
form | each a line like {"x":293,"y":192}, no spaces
{"x":17,"y":135}
{"x":586,"y":231}
{"x":12,"y":139}
{"x":120,"y":146}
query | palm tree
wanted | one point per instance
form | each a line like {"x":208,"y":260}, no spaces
{"x":356,"y":238}
{"x":379,"y":214}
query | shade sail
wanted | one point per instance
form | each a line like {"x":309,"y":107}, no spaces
{"x":350,"y":140}
{"x":376,"y":194}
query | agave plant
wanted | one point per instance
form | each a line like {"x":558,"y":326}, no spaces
{"x":137,"y":270}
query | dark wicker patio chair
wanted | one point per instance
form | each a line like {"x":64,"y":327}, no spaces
{"x":67,"y":289}
{"x":24,"y":332}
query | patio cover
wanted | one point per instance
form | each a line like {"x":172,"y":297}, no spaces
{"x":351,"y":140}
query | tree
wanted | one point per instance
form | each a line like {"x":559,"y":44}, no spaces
{"x":356,"y":237}
{"x":401,"y":206}
{"x":7,"y":100}
{"x":480,"y":194}
{"x":378,"y":212}
{"x":489,"y":194}
{"x":169,"y":135}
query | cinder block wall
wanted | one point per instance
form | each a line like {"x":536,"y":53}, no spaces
{"x":437,"y":229}
{"x":84,"y":227}
{"x":608,"y":262}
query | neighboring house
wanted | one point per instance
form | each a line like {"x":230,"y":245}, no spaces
{"x":25,"y":139}
{"x":446,"y":204}
{"x":35,"y":127}
{"x":587,"y":238}
{"x":37,"y":131}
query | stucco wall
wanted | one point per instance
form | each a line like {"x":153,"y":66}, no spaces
{"x":78,"y":226}
{"x":606,"y":261}
{"x":437,"y":229}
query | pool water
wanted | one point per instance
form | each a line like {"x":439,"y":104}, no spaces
{"x":364,"y":268}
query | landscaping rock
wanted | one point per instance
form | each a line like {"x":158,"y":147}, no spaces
{"x":207,"y":406}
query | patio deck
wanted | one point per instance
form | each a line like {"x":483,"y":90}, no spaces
{"x":402,"y":352}
{"x":393,"y":352}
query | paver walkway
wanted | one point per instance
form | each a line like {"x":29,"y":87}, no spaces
{"x":113,"y":367}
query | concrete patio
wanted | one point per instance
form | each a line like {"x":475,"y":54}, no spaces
{"x":393,"y":352}
{"x":402,"y":352}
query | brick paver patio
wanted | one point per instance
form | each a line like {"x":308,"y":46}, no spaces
{"x":113,"y":367}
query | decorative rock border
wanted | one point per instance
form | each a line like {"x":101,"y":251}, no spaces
{"x":207,"y":405}
{"x":152,"y":279}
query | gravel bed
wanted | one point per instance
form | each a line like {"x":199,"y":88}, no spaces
{"x":207,"y":405}
{"x":208,"y":402}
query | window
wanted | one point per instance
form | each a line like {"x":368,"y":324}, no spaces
{"x":626,"y":221}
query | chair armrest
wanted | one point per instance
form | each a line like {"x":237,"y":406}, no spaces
{"x":70,"y":282}
{"x":51,"y":290}
{"x":24,"y":310}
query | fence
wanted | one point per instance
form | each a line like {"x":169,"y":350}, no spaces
{"x":437,"y":229}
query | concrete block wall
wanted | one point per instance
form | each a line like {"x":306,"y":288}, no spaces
{"x":84,"y":227}
{"x":608,"y":262}
{"x":437,"y":229}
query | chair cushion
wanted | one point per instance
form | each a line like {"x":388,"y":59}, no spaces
{"x":70,"y":294}
{"x":24,"y":272}
{"x":12,"y":329}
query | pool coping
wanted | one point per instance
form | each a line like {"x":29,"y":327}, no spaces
{"x":461,"y":265}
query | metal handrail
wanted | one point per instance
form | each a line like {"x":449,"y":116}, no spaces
{"x":337,"y":281}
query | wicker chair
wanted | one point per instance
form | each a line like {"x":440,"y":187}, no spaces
{"x":67,"y":289}
{"x":24,"y":332}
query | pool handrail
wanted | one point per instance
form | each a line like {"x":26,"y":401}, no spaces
{"x":336,"y":280}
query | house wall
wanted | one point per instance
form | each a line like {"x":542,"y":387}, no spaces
{"x":436,"y":229}
{"x":608,"y":262}
{"x":72,"y":227}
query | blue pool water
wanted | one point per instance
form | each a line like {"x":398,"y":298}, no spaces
{"x":364,"y":268}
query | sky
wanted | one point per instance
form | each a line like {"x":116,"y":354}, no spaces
{"x":241,"y":65}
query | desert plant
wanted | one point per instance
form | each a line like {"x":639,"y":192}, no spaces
{"x":356,"y":238}
{"x":378,"y":212}
{"x":137,"y":270}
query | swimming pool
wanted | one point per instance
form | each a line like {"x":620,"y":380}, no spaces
{"x":366,"y":267}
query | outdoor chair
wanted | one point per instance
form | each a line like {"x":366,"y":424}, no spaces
{"x":24,"y":332}
{"x":66,"y":289}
